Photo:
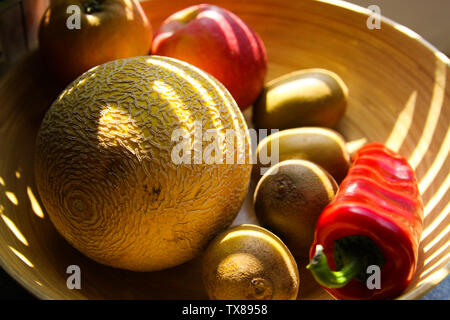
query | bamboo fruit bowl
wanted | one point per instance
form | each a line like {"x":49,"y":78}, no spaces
{"x":399,"y":93}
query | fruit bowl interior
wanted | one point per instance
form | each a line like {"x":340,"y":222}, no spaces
{"x":399,"y":94}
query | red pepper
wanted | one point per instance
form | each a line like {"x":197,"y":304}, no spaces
{"x":375,"y":219}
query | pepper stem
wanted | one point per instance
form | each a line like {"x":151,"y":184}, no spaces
{"x":333,"y":279}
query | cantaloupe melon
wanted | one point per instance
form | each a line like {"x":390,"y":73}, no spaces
{"x":105,"y":166}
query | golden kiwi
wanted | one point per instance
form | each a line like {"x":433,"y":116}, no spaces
{"x":322,"y":146}
{"x":311,"y":97}
{"x":248,"y":262}
{"x":289,"y":198}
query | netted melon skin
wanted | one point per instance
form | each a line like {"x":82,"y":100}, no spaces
{"x":105,"y":172}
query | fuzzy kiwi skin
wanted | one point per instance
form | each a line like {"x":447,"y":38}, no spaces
{"x":310,"y":97}
{"x":322,"y":146}
{"x":248,"y":262}
{"x":290,"y":201}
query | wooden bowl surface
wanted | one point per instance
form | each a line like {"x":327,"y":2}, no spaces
{"x":399,"y":93}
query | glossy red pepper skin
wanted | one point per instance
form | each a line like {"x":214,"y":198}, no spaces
{"x":379,"y":198}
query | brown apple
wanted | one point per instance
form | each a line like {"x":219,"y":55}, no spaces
{"x":218,"y":42}
{"x":107,"y":30}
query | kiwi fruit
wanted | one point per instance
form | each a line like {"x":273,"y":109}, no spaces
{"x":289,"y":199}
{"x":310,"y":97}
{"x":248,"y":262}
{"x":323,"y":146}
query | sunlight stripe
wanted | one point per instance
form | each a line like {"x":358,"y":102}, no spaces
{"x":14,"y":229}
{"x":439,"y":160}
{"x":437,"y":100}
{"x":21,"y":257}
{"x":439,"y":237}
{"x":437,"y":252}
{"x":437,"y":196}
{"x":403,"y":124}
{"x":435,"y":265}
{"x":430,"y":228}
{"x":437,"y":276}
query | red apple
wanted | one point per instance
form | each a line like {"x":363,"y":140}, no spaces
{"x":107,"y":30}
{"x":218,"y":42}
